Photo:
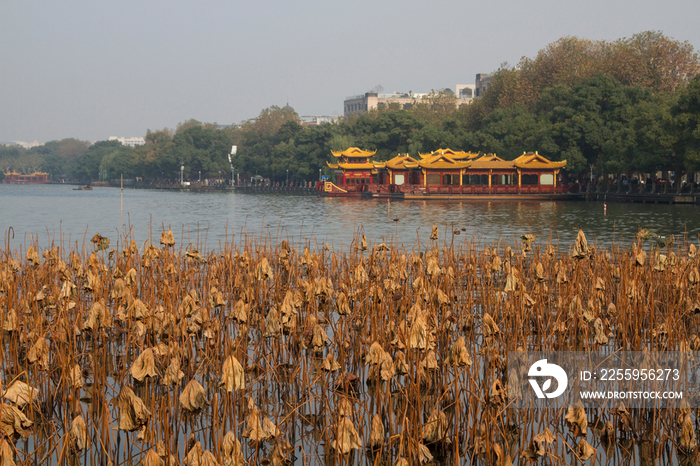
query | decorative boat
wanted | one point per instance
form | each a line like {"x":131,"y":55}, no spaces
{"x":444,"y":174}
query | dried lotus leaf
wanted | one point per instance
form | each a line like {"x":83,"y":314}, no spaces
{"x":79,"y":434}
{"x":193,"y":397}
{"x":133,"y":413}
{"x":232,"y":375}
{"x":346,"y":437}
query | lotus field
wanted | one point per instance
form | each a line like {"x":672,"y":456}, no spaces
{"x":265,"y":352}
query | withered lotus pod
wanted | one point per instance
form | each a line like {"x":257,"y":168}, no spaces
{"x":79,"y":434}
{"x":584,"y":450}
{"x":12,"y":421}
{"x":167,"y":238}
{"x":20,"y":394}
{"x":133,"y":413}
{"x":144,"y":366}
{"x":232,"y":374}
{"x":193,"y":397}
{"x":39,"y":354}
{"x":346,"y":437}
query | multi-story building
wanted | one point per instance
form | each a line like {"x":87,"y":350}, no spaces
{"x":131,"y":142}
{"x":483,"y":82}
{"x":363,"y":103}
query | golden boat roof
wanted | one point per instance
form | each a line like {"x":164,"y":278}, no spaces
{"x":443,"y":161}
{"x":533,"y":160}
{"x":353,"y":152}
{"x":455,"y":155}
{"x":355,"y":166}
{"x":490,"y":162}
{"x":399,"y":162}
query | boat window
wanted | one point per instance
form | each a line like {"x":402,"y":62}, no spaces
{"x":547,"y":179}
{"x":433,"y":179}
{"x":399,"y":179}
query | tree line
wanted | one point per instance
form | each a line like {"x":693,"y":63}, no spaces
{"x":631,"y":105}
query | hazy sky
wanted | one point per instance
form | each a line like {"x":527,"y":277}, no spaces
{"x":94,"y":69}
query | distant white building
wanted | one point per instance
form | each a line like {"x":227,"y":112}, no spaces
{"x":363,"y":103}
{"x":318,"y":119}
{"x":131,"y":142}
{"x":26,"y":145}
{"x":465,"y":91}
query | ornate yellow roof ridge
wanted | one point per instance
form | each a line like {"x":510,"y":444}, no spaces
{"x":355,"y":166}
{"x":535,"y":160}
{"x":400,"y":161}
{"x":443,"y":161}
{"x":354,"y":152}
{"x":456,"y":155}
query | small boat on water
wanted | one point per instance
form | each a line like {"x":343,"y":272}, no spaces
{"x":87,"y":187}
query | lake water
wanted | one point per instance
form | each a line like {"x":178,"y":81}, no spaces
{"x":59,"y":213}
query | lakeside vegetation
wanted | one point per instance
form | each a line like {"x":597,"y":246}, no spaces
{"x":621,"y":107}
